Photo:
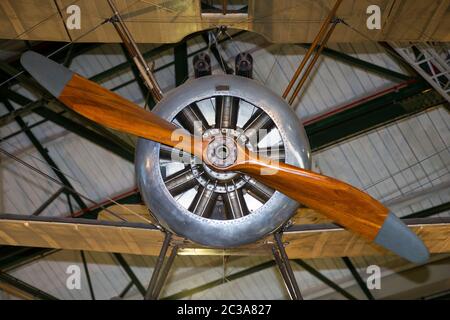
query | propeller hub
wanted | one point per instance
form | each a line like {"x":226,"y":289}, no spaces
{"x":221,"y":152}
{"x":211,"y":176}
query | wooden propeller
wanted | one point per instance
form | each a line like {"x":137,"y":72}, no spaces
{"x":341,"y":202}
{"x":107,"y":108}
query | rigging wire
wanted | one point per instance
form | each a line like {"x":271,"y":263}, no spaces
{"x":421,"y":160}
{"x":50,"y":178}
{"x":213,"y":40}
{"x":71,"y":190}
{"x":12,"y":156}
{"x":104,"y":21}
{"x":56,"y":51}
{"x":43,"y":173}
{"x":38,"y":159}
{"x":38,"y":24}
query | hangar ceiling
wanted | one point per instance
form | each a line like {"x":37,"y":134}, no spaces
{"x":371,"y":120}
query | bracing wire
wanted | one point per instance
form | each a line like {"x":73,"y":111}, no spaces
{"x":39,"y":23}
{"x":50,"y":178}
{"x":104,"y":21}
{"x":71,"y":190}
{"x":56,"y":51}
{"x":31,"y":167}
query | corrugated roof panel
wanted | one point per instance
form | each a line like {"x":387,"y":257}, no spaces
{"x":331,"y":83}
{"x":98,"y":60}
{"x":394,"y":160}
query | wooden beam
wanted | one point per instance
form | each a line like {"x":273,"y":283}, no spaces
{"x":302,"y":241}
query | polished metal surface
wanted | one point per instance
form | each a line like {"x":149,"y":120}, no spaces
{"x":244,"y":223}
{"x":221,"y":152}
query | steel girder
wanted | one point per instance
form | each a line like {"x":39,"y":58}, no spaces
{"x":339,"y":126}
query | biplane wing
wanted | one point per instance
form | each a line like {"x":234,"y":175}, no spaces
{"x":311,"y":236}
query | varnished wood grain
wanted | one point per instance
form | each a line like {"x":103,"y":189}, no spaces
{"x":339,"y":201}
{"x":109,"y":109}
{"x":279,"y":21}
{"x":134,"y":239}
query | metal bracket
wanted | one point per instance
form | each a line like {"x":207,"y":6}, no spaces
{"x":337,"y":20}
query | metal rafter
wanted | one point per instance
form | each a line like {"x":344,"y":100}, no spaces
{"x":126,"y":267}
{"x":430,"y":61}
{"x":88,"y":275}
{"x":45,"y":155}
{"x":25,"y":287}
{"x":47,"y":202}
{"x":25,"y":110}
{"x":370,"y":113}
{"x":181,"y":63}
{"x":358,"y":278}
{"x":324,"y":279}
{"x":365,"y":65}
{"x":430,"y":211}
{"x":113,"y":144}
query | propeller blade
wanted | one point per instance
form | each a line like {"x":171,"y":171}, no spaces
{"x":105,"y":107}
{"x":339,"y":201}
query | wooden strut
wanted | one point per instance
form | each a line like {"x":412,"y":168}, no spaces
{"x":321,"y":37}
{"x":278,"y":251}
{"x":224,"y":7}
{"x":129,"y":43}
{"x":312,"y":63}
